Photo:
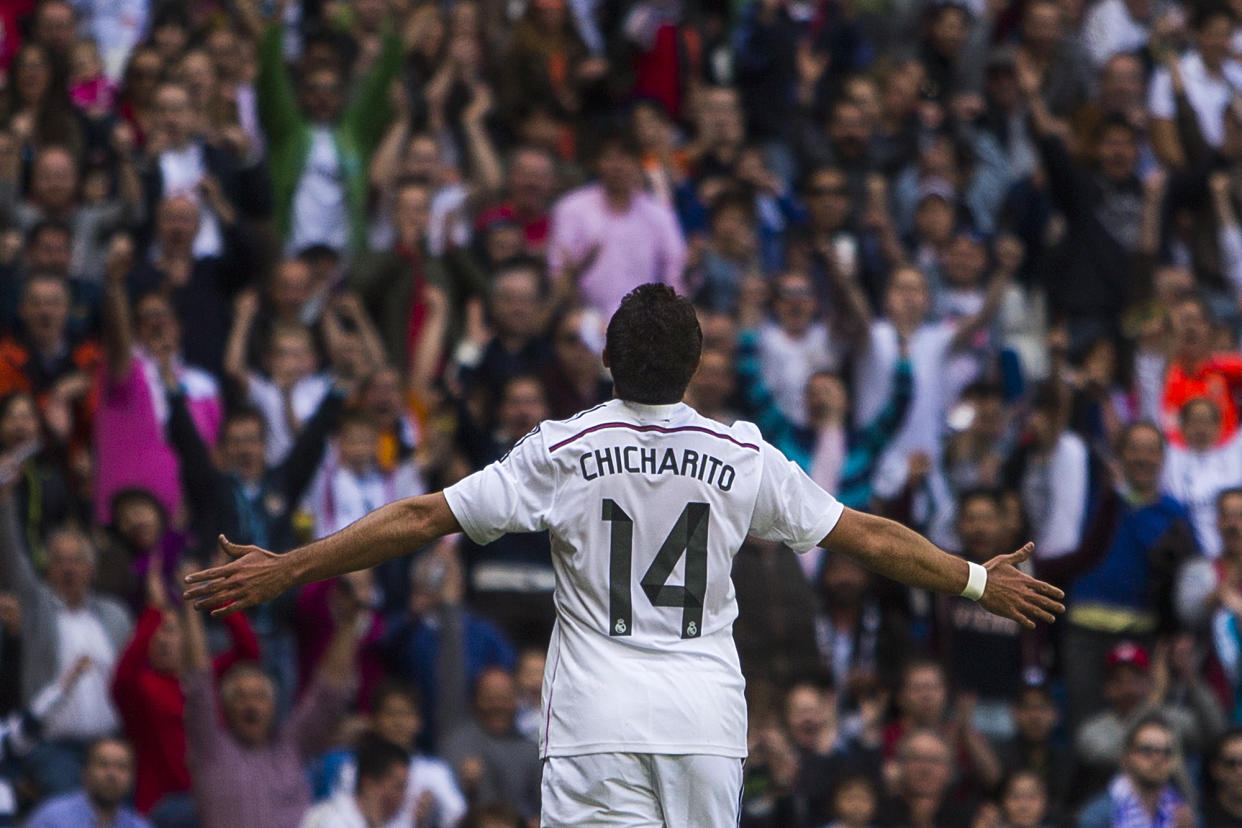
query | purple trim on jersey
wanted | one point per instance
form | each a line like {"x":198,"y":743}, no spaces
{"x":656,"y":428}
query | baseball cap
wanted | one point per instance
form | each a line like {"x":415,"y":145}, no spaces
{"x":1128,"y":653}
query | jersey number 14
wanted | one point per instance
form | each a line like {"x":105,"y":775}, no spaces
{"x":688,"y":535}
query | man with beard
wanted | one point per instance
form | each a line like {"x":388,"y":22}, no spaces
{"x":106,"y":784}
{"x":1142,"y":793}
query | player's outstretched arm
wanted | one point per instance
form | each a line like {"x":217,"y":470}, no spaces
{"x":892,"y":550}
{"x":256,"y":575}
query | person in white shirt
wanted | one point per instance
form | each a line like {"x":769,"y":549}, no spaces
{"x":353,"y":484}
{"x":1115,"y":26}
{"x":432,"y":798}
{"x":1211,"y":80}
{"x":795,"y":345}
{"x":383,"y":769}
{"x":293,"y":388}
{"x":646,"y":503}
{"x":938,"y":380}
{"x":1196,"y":474}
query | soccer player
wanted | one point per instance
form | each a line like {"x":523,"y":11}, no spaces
{"x":644,"y":720}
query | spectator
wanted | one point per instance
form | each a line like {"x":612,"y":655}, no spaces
{"x":46,"y":357}
{"x":382,"y":780}
{"x":1024,"y":800}
{"x":1054,"y":475}
{"x":609,"y":237}
{"x":1134,"y":527}
{"x":146,"y":689}
{"x":319,"y":147}
{"x":923,"y":705}
{"x":63,"y":622}
{"x":212,"y":177}
{"x":1143,"y":790}
{"x":431,"y":796}
{"x":441,"y":646}
{"x":1133,"y":689}
{"x":1196,"y":474}
{"x":925,"y":775}
{"x":247,"y":769}
{"x":107,"y":781}
{"x":985,"y":660}
{"x":493,"y":763}
{"x":1193,"y":369}
{"x":1033,"y":749}
{"x":1223,"y":802}
{"x":56,"y":195}
{"x":140,"y":344}
{"x":20,"y":730}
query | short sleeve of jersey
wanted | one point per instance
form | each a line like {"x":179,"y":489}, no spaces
{"x":791,"y":508}
{"x":513,"y":494}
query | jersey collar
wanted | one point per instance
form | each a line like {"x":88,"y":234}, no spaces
{"x":653,"y":412}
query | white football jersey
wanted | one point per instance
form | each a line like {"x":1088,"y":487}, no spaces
{"x":646,"y":507}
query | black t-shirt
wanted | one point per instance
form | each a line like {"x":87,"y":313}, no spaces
{"x":984,"y":651}
{"x":1215,"y":816}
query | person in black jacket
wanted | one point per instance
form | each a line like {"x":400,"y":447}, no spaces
{"x":1111,"y":220}
{"x":248,"y":499}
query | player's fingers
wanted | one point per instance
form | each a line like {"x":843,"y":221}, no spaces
{"x":1015,"y":558}
{"x":215,"y":573}
{"x":228,"y":609}
{"x":1039,"y":614}
{"x":1049,"y":590}
{"x":204,"y":590}
{"x":216,"y":598}
{"x":229,"y":548}
{"x":1046,"y":603}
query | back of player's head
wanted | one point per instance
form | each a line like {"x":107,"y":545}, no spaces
{"x":376,"y":759}
{"x":654,"y":342}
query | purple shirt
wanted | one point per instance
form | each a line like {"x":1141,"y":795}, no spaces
{"x":643,"y":244}
{"x":236,"y":786}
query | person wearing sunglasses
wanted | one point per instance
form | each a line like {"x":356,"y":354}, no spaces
{"x":1145,"y":791}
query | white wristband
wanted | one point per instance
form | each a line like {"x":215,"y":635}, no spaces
{"x":976,"y":582}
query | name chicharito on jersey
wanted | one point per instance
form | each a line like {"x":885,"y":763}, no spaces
{"x":650,"y":461}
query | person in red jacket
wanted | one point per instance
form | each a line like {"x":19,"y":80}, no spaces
{"x":147,"y":692}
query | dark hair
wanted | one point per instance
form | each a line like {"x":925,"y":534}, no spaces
{"x":390,"y":688}
{"x":1184,"y":411}
{"x":243,"y":413}
{"x":376,"y":759}
{"x":1205,"y":13}
{"x":654,"y":343}
{"x":1127,"y":432}
{"x":621,"y":139}
{"x":135,"y":495}
{"x":355,"y":417}
{"x":732,"y":200}
{"x":1111,"y":122}
{"x":989,"y":494}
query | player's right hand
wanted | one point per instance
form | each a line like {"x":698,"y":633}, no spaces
{"x":253,"y":577}
{"x":1011,"y":593}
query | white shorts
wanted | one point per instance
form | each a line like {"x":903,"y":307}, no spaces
{"x":641,"y":789}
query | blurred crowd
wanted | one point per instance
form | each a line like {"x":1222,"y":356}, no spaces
{"x":266,"y":265}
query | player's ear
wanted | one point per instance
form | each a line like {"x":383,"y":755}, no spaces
{"x":604,"y":357}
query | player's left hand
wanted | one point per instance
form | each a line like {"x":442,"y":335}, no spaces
{"x":1011,"y":593}
{"x":253,"y":577}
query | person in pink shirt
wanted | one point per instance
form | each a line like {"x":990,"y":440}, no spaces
{"x":611,"y":236}
{"x":131,"y":448}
